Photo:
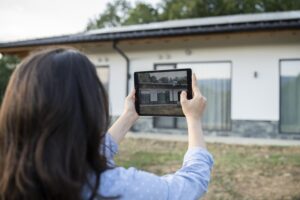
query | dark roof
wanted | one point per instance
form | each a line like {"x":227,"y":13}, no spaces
{"x":221,"y":24}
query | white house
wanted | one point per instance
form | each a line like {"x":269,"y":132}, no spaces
{"x":248,"y":67}
{"x":160,"y":96}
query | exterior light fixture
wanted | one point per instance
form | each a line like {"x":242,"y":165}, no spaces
{"x":255,"y":74}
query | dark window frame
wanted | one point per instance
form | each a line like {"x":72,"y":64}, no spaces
{"x":175,"y":123}
{"x":280,"y":99}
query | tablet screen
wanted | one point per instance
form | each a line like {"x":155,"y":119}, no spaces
{"x":158,"y":92}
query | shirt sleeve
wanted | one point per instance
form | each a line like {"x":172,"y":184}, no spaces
{"x":109,"y":149}
{"x":188,"y":183}
{"x":193,"y":177}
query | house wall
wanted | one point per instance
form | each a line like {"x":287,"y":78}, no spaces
{"x":254,"y":101}
{"x":117,"y":78}
{"x":252,"y":98}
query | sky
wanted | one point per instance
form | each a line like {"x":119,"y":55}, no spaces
{"x":25,"y":19}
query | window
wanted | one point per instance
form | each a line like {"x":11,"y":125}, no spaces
{"x":145,"y":97}
{"x":290,"y":96}
{"x":215,"y":85}
{"x":214,"y":79}
{"x":103,"y":74}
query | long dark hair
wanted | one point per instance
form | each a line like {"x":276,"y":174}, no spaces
{"x":53,"y":120}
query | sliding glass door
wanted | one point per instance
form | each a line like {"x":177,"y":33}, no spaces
{"x":214,"y":79}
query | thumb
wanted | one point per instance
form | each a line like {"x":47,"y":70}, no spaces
{"x":183,"y":98}
{"x":131,"y":94}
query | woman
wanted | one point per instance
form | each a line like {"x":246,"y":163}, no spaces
{"x":55,"y":141}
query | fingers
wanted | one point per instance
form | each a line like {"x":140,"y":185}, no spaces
{"x":195,"y":87}
{"x":183,"y":97}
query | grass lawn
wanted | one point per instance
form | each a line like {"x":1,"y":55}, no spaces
{"x":240,"y":172}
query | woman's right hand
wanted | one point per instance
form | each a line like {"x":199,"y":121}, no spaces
{"x":193,"y":109}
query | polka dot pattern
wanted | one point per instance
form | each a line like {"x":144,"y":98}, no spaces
{"x":188,"y":183}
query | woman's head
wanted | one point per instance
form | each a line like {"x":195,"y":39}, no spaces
{"x":52,"y":120}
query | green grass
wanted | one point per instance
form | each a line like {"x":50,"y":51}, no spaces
{"x":240,"y":172}
{"x":144,"y":159}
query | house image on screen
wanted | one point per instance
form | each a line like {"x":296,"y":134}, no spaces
{"x":247,"y":66}
{"x":161,"y":96}
{"x":161,"y":93}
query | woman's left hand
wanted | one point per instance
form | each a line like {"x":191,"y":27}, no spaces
{"x":129,"y":107}
{"x":123,"y":124}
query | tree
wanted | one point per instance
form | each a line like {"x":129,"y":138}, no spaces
{"x":7,"y":64}
{"x":163,"y":80}
{"x":114,"y":15}
{"x":121,"y":13}
{"x":153,"y":79}
{"x":144,"y":77}
{"x":281,"y":5}
{"x":142,"y":13}
{"x":178,"y":9}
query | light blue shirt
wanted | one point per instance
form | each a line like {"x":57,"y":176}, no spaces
{"x":188,"y":183}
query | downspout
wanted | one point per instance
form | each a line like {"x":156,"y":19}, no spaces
{"x":115,"y":47}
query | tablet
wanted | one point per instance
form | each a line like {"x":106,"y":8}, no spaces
{"x":158,"y":92}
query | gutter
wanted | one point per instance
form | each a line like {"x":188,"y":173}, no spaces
{"x":291,"y":24}
{"x":122,"y":53}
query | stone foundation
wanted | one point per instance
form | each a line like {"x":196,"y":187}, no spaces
{"x":239,"y":128}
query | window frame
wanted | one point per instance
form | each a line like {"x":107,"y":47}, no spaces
{"x":280,"y":99}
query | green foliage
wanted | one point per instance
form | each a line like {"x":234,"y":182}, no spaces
{"x":7,"y":64}
{"x":144,"y":77}
{"x":120,"y":12}
{"x":114,"y":15}
{"x":142,"y":13}
{"x":178,"y":9}
{"x":144,"y":159}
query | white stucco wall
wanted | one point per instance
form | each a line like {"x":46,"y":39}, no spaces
{"x":117,"y":79}
{"x":252,"y":98}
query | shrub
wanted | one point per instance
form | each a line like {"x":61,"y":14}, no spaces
{"x":7,"y":66}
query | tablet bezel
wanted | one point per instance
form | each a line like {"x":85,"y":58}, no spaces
{"x":136,"y":86}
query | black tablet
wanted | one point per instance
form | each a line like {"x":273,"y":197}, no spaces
{"x":158,"y":92}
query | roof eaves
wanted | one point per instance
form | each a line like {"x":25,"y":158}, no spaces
{"x":163,"y":32}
